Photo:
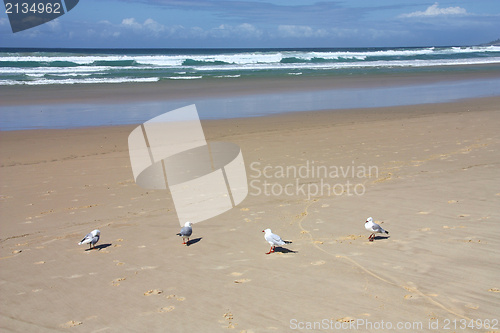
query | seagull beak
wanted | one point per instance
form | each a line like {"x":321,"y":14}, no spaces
{"x":263,"y":231}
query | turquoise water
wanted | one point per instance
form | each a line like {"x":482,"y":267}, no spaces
{"x":83,"y":66}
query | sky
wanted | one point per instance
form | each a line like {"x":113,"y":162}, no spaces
{"x":262,"y":24}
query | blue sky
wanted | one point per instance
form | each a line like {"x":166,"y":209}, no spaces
{"x":263,"y":23}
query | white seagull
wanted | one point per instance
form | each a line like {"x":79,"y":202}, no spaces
{"x":186,"y":231}
{"x":91,"y":238}
{"x":272,"y":239}
{"x":374,"y":228}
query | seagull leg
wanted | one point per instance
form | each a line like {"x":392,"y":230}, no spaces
{"x":372,"y":236}
{"x":271,"y":250}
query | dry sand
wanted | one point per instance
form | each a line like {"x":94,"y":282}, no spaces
{"x":435,"y":189}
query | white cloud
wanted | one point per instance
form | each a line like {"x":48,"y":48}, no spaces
{"x":244,"y":30}
{"x":54,"y":25}
{"x":300,"y":31}
{"x":132,"y":23}
{"x":149,"y":25}
{"x":154,"y":26}
{"x":434,"y":10}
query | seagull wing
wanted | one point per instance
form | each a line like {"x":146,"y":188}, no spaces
{"x":95,"y":239}
{"x":275,"y":239}
{"x":186,"y":231}
{"x":87,"y":239}
{"x":378,"y":228}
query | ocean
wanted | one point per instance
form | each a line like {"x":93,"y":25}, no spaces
{"x":83,"y":66}
{"x":77,"y":67}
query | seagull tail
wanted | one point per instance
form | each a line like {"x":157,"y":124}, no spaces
{"x":179,"y":234}
{"x":387,"y":232}
{"x":80,"y":243}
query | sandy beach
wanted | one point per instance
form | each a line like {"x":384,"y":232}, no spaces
{"x":428,"y":174}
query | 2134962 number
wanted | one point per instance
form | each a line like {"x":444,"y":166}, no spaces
{"x":35,"y":8}
{"x":463,"y":324}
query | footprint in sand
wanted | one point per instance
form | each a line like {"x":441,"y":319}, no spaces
{"x":244,"y":209}
{"x":346,"y":319}
{"x":425,"y":229}
{"x":452,"y":201}
{"x":228,"y":318}
{"x":153,"y":292}
{"x":236,"y":274}
{"x":167,"y":309}
{"x":71,"y":323}
{"x":116,"y":283}
{"x":424,"y":213}
{"x":408,"y":296}
{"x":319,"y":262}
{"x":242,"y":280}
{"x":180,"y":298}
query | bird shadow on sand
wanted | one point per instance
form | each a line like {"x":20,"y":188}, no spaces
{"x":284,"y":250}
{"x":381,"y":237}
{"x":194,"y":241}
{"x":99,"y":247}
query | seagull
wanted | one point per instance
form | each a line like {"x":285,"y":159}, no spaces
{"x":272,"y":239}
{"x":186,"y":231}
{"x":373,"y":228}
{"x":91,"y":238}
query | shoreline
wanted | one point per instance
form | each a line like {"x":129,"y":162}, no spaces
{"x":292,"y":121}
{"x":226,"y":87}
{"x":344,"y":115}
